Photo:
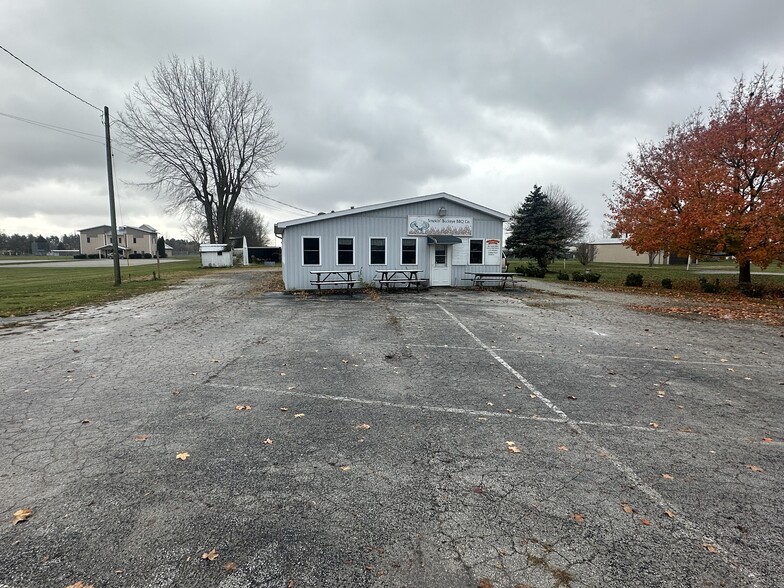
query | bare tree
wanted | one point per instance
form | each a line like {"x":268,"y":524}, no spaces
{"x":251,"y":225}
{"x":585,"y":253}
{"x":206,"y":137}
{"x":573,"y":217}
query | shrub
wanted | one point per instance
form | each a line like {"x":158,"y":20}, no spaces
{"x":578,"y":276}
{"x":753,"y":290}
{"x":634,"y":280}
{"x":592,"y":277}
{"x":92,"y":256}
{"x":80,"y":256}
{"x":531,"y":270}
{"x":148,"y":256}
{"x":710,"y":287}
{"x":666,"y":283}
{"x":562,"y":275}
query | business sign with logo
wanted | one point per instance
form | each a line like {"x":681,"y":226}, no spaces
{"x":441,"y":225}
{"x":492,"y":251}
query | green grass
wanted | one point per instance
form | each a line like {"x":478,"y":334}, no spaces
{"x":30,"y":289}
{"x":614,"y":275}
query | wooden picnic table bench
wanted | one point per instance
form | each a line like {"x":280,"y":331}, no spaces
{"x":334,"y":278}
{"x":401,"y":277}
{"x":499,"y":279}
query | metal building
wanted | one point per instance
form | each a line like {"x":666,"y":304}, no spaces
{"x":440,"y":235}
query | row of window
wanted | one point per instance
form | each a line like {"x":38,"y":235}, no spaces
{"x":119,"y":239}
{"x":311,"y":251}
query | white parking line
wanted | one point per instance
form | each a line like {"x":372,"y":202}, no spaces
{"x":689,"y":529}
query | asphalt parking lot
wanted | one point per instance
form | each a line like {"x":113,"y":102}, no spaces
{"x":541,"y":437}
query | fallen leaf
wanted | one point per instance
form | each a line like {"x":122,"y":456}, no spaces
{"x":676,"y":356}
{"x":667,"y":476}
{"x":577,"y":517}
{"x":230,"y":566}
{"x":183,"y":456}
{"x":755,"y":468}
{"x":282,"y":373}
{"x":645,"y":522}
{"x":343,"y":361}
{"x":267,"y":441}
{"x":669,"y":513}
{"x":627,"y":508}
{"x":243,"y":407}
{"x":79,"y":584}
{"x":513,"y":449}
{"x":730,"y":370}
{"x":489,"y":404}
{"x":345,"y":468}
{"x":509,"y":410}
{"x":141,"y":437}
{"x":22,"y":515}
{"x":299,"y":415}
{"x":478,"y":490}
{"x":485,"y":583}
{"x":283,"y":409}
{"x":510,"y":443}
{"x":767,"y":440}
{"x":290,"y":387}
{"x":661,"y":394}
{"x":86,"y":421}
{"x":710,"y":547}
{"x":653,"y":425}
{"x":363,"y":427}
{"x":563,"y":448}
{"x":722,"y":360}
{"x":210,"y":555}
{"x":572,"y":397}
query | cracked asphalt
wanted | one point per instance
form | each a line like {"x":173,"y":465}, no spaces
{"x":541,"y":437}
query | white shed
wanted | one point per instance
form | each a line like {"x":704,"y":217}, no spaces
{"x":215,"y":255}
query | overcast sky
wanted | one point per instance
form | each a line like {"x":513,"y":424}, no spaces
{"x":376,"y":100}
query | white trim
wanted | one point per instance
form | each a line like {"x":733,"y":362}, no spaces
{"x":353,"y":250}
{"x":416,"y":250}
{"x":302,"y":250}
{"x":370,"y":250}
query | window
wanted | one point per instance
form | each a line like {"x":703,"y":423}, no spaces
{"x":345,"y":250}
{"x":378,"y":251}
{"x":440,"y":255}
{"x":88,"y":239}
{"x":408,"y":252}
{"x":134,"y":239}
{"x":475,"y":250}
{"x":311,"y":250}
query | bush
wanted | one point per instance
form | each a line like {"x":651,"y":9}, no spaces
{"x":592,"y":277}
{"x":634,"y":280}
{"x":562,"y":275}
{"x":667,"y":284}
{"x":92,"y":256}
{"x":710,"y":287}
{"x":753,"y":290}
{"x":578,"y":276}
{"x":148,"y":256}
{"x":531,"y":270}
{"x":80,"y":256}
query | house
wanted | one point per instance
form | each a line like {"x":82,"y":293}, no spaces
{"x":440,"y":235}
{"x":615,"y":251}
{"x":130,"y":240}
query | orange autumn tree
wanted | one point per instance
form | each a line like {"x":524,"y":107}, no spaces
{"x":714,"y":185}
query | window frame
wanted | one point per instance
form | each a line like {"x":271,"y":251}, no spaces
{"x":370,"y":250}
{"x":318,"y":239}
{"x":353,"y":251}
{"x":416,"y":250}
{"x":481,"y":251}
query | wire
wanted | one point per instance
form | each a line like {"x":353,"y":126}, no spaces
{"x":289,"y":205}
{"x":50,"y":80}
{"x":63,"y":130}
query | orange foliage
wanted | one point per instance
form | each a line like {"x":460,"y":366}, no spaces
{"x":713,"y":186}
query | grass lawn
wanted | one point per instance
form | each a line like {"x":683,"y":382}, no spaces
{"x":614,"y":274}
{"x":30,"y":289}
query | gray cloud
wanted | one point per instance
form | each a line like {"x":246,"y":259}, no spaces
{"x":375,"y":100}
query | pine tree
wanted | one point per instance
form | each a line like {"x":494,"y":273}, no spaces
{"x":536,"y":230}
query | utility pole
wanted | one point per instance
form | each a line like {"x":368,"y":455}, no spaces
{"x":112,"y":213}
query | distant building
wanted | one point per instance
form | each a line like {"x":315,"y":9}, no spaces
{"x":98,"y":240}
{"x":614,"y":251}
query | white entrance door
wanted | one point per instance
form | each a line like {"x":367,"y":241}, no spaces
{"x":440,"y":265}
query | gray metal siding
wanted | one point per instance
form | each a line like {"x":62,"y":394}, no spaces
{"x":390,"y":223}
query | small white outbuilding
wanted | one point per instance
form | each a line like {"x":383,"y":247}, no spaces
{"x":216,"y":255}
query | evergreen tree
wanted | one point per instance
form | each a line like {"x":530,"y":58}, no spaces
{"x":536,"y":229}
{"x":161,"y":245}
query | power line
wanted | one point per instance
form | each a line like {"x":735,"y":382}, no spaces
{"x":289,"y":205}
{"x":51,"y":81}
{"x":55,"y":128}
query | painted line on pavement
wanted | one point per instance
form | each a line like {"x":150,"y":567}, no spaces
{"x":690,"y":530}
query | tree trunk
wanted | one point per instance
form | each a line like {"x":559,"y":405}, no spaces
{"x":745,"y":273}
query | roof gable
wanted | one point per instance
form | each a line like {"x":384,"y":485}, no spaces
{"x":392,"y":204}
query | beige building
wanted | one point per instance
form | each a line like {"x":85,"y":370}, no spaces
{"x":614,"y":251}
{"x":98,"y":240}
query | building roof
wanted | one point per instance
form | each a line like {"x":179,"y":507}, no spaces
{"x":390,"y":204}
{"x":121,"y":229}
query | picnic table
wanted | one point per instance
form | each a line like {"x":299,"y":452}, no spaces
{"x":334,"y":278}
{"x":493,"y":278}
{"x":400,"y":277}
